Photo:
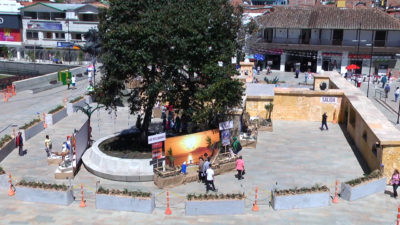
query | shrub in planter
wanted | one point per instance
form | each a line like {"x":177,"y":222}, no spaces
{"x":56,"y":109}
{"x":4,"y":140}
{"x":215,"y":204}
{"x":43,"y":192}
{"x":31,"y":123}
{"x":125,"y":200}
{"x":76,"y":99}
{"x":316,"y":196}
{"x":2,"y":171}
{"x":361,"y":187}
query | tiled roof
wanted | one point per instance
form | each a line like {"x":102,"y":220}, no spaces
{"x":329,"y":18}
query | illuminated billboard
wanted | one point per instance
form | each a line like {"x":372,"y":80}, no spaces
{"x":10,"y":35}
{"x":191,"y":147}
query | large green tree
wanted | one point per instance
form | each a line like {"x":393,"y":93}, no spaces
{"x":175,"y":47}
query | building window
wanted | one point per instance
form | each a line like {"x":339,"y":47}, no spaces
{"x":32,"y":35}
{"x":337,"y":37}
{"x":76,"y":36}
{"x":32,"y":15}
{"x":268,"y":35}
{"x":88,"y":17}
{"x":55,"y":16}
{"x":48,"y":35}
{"x":43,"y":16}
{"x":60,"y":35}
{"x":380,"y":38}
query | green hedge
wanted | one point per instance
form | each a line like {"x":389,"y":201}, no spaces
{"x":31,"y":123}
{"x":76,"y":99}
{"x":4,"y":140}
{"x":374,"y":175}
{"x":237,"y":196}
{"x":125,"y":192}
{"x":59,"y":107}
{"x":34,"y":184}
{"x":293,"y":191}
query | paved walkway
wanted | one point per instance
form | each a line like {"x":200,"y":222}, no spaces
{"x":294,"y":155}
{"x":24,"y":106}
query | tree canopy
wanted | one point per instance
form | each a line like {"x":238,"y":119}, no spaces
{"x":176,"y":48}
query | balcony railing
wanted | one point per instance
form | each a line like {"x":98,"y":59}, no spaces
{"x":336,"y":42}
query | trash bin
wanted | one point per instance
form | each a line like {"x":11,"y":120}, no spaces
{"x":183,"y":170}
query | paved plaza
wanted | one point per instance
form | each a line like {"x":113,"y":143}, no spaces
{"x":295,"y":154}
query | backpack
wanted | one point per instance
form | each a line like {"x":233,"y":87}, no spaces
{"x":239,"y":146}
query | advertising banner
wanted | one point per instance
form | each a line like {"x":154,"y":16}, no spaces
{"x":156,"y":150}
{"x":44,"y":26}
{"x":188,"y":148}
{"x":226,"y":125}
{"x":10,"y":35}
{"x":226,"y":137}
{"x":10,"y":21}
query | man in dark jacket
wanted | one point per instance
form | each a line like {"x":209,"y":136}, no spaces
{"x":324,"y":116}
{"x":19,"y":142}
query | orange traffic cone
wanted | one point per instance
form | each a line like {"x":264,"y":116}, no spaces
{"x":398,"y":215}
{"x":44,"y":121}
{"x":336,"y":198}
{"x":13,"y":89}
{"x":11,"y":192}
{"x":255,"y":206}
{"x":168,"y":210}
{"x":13,"y":133}
{"x":83,"y":204}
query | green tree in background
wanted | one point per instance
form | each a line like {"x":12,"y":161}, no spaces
{"x":181,"y":49}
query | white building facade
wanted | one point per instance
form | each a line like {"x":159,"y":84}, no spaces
{"x":53,"y":29}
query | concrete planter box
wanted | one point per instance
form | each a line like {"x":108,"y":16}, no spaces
{"x":362,"y":190}
{"x":32,"y":131}
{"x":44,"y":195}
{"x":88,"y":99}
{"x":125,"y":203}
{"x":215,"y":207}
{"x":71,"y":106}
{"x":52,"y":119}
{"x":7,"y":149}
{"x":300,"y":201}
{"x":4,"y":183}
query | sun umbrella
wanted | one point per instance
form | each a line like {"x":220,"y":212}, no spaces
{"x":352,"y":67}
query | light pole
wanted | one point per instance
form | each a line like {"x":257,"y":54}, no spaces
{"x":370,"y":63}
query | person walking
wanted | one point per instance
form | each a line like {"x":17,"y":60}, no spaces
{"x":19,"y":142}
{"x":48,"y":145}
{"x":236,"y":145}
{"x":395,"y":182}
{"x":396,"y":94}
{"x":73,"y":81}
{"x":68,"y":82}
{"x":383,"y":80}
{"x":324,"y":117}
{"x":210,"y":179}
{"x":297,"y":73}
{"x":387,"y":90}
{"x":201,"y":176}
{"x":240,"y":167}
{"x":206,"y":165}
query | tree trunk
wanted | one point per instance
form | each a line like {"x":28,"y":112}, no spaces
{"x":147,"y":120}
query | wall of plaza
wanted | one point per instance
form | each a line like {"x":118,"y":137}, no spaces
{"x":304,"y":104}
{"x":375,"y":137}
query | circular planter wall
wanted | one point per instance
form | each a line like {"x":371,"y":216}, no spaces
{"x":114,"y":168}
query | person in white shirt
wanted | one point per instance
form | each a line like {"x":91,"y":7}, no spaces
{"x":73,"y":81}
{"x":210,"y":179}
{"x":396,"y":94}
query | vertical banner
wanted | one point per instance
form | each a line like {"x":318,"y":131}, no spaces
{"x":225,"y":137}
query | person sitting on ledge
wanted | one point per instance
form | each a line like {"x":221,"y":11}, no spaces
{"x":64,"y":152}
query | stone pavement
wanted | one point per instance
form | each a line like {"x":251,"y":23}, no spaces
{"x":294,"y":155}
{"x":24,"y":106}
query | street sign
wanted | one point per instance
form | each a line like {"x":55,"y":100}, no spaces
{"x":156,"y":138}
{"x":226,"y":125}
{"x":61,"y":44}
